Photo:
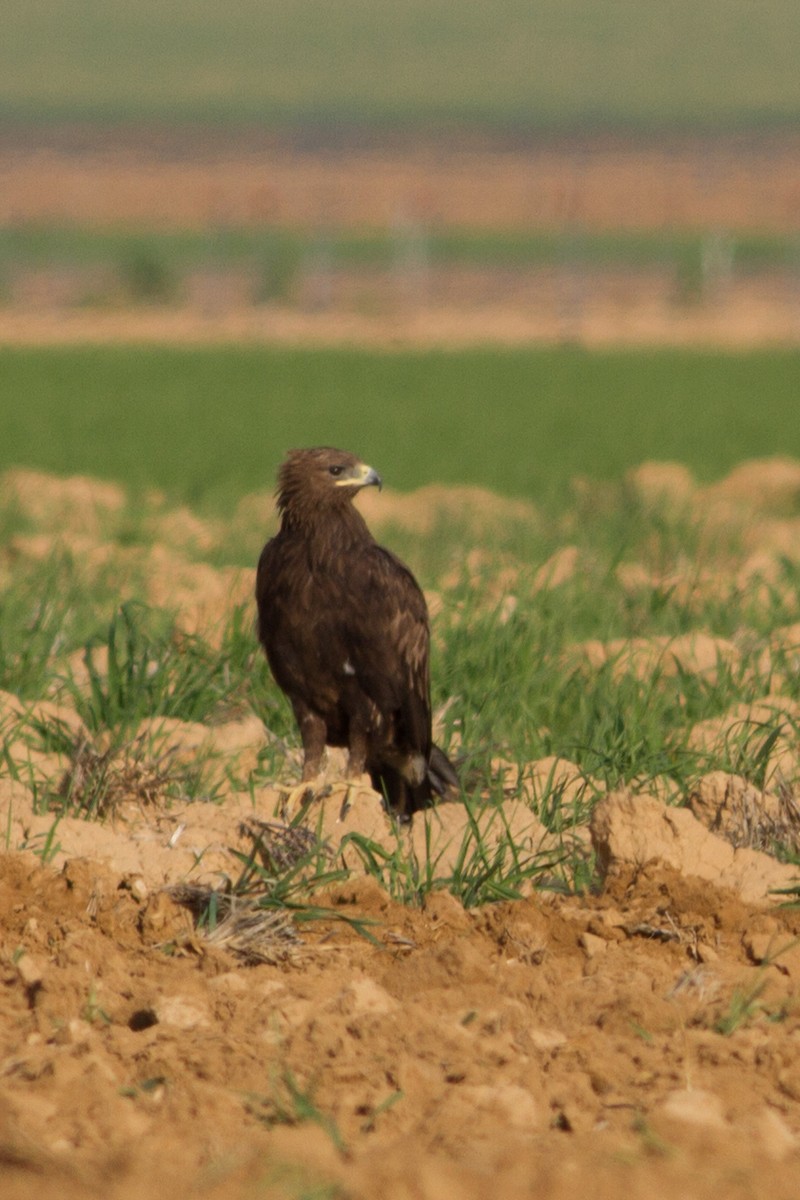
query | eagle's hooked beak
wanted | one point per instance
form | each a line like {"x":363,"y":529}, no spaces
{"x":372,"y":477}
{"x":361,"y":476}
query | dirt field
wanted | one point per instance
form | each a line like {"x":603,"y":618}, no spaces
{"x":639,"y":313}
{"x":644,"y":1039}
{"x":185,"y":179}
{"x":549,"y":1047}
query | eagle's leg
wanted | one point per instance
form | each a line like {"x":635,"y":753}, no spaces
{"x":357,"y":752}
{"x":312,"y":732}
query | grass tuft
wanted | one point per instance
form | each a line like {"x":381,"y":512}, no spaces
{"x":97,"y":782}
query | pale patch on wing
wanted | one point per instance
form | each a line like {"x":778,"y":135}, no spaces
{"x":348,"y":667}
{"x":413,"y":767}
{"x":416,"y":769}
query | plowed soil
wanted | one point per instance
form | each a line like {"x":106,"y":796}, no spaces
{"x":643,"y":1040}
{"x":192,"y":179}
{"x":544,"y":1047}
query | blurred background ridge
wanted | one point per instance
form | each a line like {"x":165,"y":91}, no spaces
{"x":356,"y":170}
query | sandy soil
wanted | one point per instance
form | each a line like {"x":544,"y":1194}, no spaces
{"x":557,"y":1046}
{"x":751,"y":314}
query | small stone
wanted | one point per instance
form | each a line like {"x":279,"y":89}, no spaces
{"x":30,"y":970}
{"x":695,"y":1108}
{"x":592,"y":944}
{"x":547,"y":1039}
{"x":180,"y":1013}
{"x":139,"y":889}
{"x":80,"y":1032}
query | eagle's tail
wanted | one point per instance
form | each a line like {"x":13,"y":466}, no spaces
{"x":442,"y":775}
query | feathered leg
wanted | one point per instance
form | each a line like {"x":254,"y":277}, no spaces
{"x":357,"y":752}
{"x":312,"y":734}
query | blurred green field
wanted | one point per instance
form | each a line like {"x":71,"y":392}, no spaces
{"x":209,"y":425}
{"x":723,"y":63}
{"x":118,"y":266}
{"x":280,"y":253}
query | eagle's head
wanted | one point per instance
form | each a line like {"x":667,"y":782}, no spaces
{"x":321,"y":478}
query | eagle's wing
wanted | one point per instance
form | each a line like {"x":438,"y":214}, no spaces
{"x":367,"y":619}
{"x":388,"y":639}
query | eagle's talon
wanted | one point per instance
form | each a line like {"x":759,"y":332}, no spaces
{"x":297,"y":799}
{"x":351,"y":786}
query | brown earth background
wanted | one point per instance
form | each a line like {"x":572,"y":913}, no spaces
{"x":160,"y":180}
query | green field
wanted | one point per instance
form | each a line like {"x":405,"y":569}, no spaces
{"x":118,"y":266}
{"x":277,"y":255}
{"x":513,"y":65}
{"x":210,"y":425}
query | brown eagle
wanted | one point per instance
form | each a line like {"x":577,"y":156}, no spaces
{"x":345,"y":629}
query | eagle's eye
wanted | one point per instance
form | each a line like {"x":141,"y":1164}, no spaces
{"x":335,"y":470}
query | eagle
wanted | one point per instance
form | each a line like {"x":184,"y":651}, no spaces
{"x":345,"y":629}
